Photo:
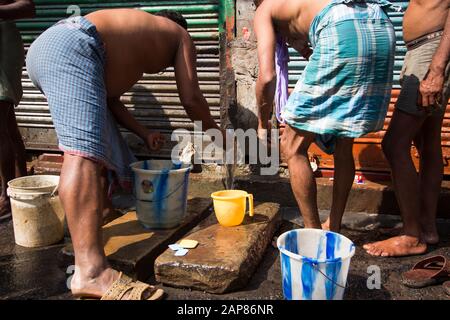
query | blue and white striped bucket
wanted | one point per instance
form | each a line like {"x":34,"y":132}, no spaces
{"x":314,"y":264}
{"x":161,"y":189}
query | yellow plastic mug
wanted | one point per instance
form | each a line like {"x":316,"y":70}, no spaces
{"x":230,"y":205}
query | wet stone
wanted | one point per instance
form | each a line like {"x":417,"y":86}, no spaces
{"x":131,"y":248}
{"x":225,"y":258}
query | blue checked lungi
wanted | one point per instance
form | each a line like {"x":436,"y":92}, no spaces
{"x":345,"y":88}
{"x":67,"y":63}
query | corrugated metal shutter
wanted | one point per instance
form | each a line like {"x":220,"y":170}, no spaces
{"x":367,"y":150}
{"x":154,"y":99}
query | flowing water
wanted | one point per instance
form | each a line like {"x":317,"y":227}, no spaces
{"x":187,"y":153}
{"x":230,"y":169}
{"x":229,"y":175}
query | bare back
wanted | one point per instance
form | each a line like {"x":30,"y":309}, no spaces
{"x":293,"y":17}
{"x":136,"y":42}
{"x":423,"y":17}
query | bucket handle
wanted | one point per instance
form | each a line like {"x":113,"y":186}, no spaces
{"x":314,"y":265}
{"x":55,"y":191}
{"x":171,"y":193}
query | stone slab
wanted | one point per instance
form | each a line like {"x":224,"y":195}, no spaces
{"x":131,"y":248}
{"x":225,"y":258}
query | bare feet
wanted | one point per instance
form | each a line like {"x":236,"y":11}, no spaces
{"x":89,"y":287}
{"x":430,"y":236}
{"x":86,"y":286}
{"x":326,"y":225}
{"x":396,"y":247}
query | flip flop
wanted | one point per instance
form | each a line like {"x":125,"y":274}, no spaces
{"x":124,"y":285}
{"x":427,"y":272}
{"x":446,"y":286}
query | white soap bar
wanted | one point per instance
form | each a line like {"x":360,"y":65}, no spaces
{"x":175,"y":247}
{"x":181,"y":252}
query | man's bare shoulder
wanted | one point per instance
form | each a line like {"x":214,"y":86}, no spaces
{"x":281,"y":9}
{"x":430,"y":4}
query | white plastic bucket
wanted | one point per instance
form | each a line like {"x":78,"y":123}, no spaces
{"x":161,"y":188}
{"x":38,"y":216}
{"x":314,"y":264}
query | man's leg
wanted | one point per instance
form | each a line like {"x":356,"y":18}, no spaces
{"x":19,"y":147}
{"x":7,"y":158}
{"x":108,"y":211}
{"x":344,"y":174}
{"x":81,"y":194}
{"x":295,"y":144}
{"x":428,"y":143}
{"x":397,"y":149}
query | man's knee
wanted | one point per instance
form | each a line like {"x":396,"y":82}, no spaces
{"x":294,"y":143}
{"x":394,"y":148}
{"x":84,"y":167}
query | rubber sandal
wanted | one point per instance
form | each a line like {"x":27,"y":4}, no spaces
{"x":427,"y":272}
{"x":125,"y":285}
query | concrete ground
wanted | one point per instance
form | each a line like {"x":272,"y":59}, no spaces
{"x":35,"y":273}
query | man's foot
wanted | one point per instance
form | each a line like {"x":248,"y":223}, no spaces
{"x":93,"y":286}
{"x":326,"y":225}
{"x":396,"y":247}
{"x":430,"y":236}
{"x":97,"y":287}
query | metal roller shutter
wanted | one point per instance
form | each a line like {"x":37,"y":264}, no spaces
{"x":154,"y":99}
{"x":367,"y":150}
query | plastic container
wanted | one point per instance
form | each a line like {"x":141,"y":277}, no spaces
{"x":314,"y":264}
{"x":230,"y":206}
{"x":161,"y":189}
{"x":37,"y":213}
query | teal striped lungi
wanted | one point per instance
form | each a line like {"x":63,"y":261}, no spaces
{"x":346,"y":86}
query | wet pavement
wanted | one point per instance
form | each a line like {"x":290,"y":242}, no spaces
{"x":36,"y":273}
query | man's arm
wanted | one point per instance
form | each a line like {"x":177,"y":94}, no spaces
{"x":266,"y":82}
{"x":153,"y":139}
{"x":18,"y":9}
{"x":191,"y":97}
{"x":432,"y":86}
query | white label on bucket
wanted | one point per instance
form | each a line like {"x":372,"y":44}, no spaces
{"x":181,"y":252}
{"x":175,"y":247}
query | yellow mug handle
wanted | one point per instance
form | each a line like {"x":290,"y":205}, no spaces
{"x":250,"y":204}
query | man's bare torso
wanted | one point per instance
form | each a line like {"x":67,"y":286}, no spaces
{"x":423,"y":17}
{"x":292,"y":18}
{"x":136,"y":43}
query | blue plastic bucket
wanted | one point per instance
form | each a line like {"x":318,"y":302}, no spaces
{"x":314,"y":264}
{"x":160,"y":188}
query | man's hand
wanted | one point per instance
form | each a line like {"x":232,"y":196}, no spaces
{"x":430,"y":90}
{"x":154,"y":140}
